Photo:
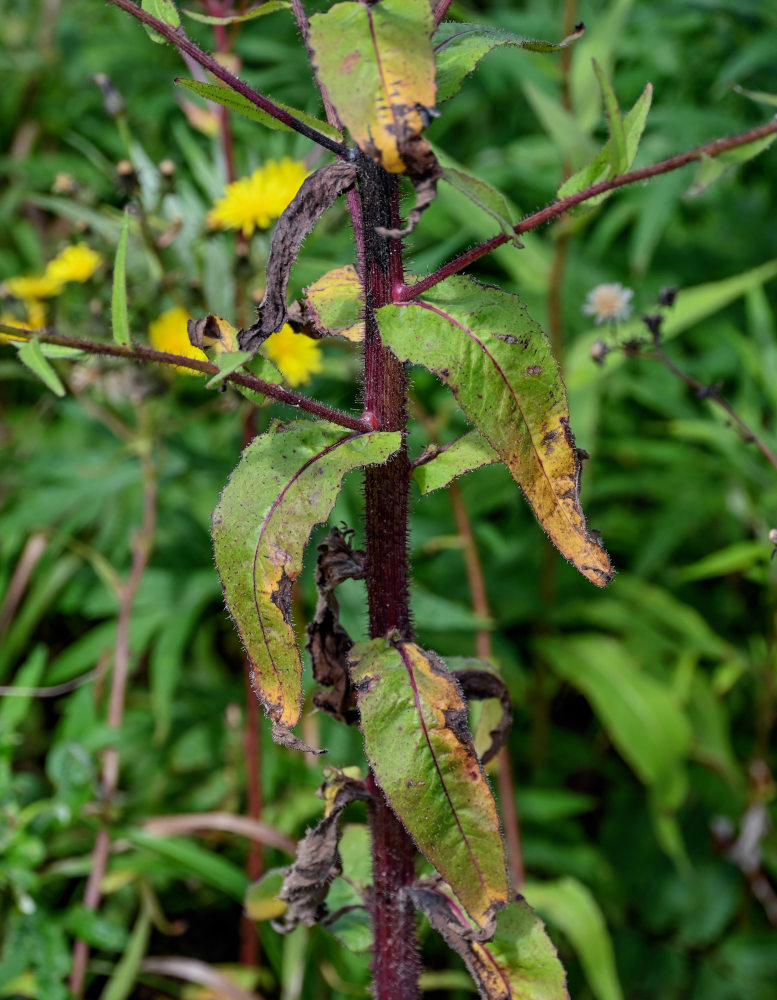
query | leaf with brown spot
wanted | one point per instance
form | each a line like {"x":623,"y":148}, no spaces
{"x":377,"y":65}
{"x":482,"y":343}
{"x":518,"y":963}
{"x":286,"y":482}
{"x":480,"y":682}
{"x":414,"y":722}
{"x":317,"y":194}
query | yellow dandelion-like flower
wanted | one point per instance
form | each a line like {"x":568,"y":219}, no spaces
{"x":74,"y":263}
{"x":8,"y":319}
{"x":168,"y":333}
{"x":253,"y":202}
{"x":32,"y":287}
{"x":296,"y":356}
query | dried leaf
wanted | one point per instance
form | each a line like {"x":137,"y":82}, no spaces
{"x":286,"y":482}
{"x":307,"y":881}
{"x":479,"y":684}
{"x":328,"y":642}
{"x":518,"y":963}
{"x":482,"y":343}
{"x":377,"y":65}
{"x":416,"y":737}
{"x":335,"y":304}
{"x":317,"y":193}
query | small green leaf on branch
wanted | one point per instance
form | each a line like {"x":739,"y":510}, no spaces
{"x":265,"y":8}
{"x":163,"y":10}
{"x":119,"y":315}
{"x":31,"y":354}
{"x":439,"y":465}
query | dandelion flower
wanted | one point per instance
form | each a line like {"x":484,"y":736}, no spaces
{"x":168,"y":333}
{"x":74,"y":263}
{"x":609,"y":302}
{"x":31,"y":287}
{"x":8,"y":319}
{"x":253,"y":202}
{"x":296,"y":355}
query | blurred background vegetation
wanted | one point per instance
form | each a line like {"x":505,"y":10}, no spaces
{"x":642,"y":749}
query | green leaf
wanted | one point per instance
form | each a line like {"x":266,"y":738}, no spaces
{"x":242,"y":106}
{"x":417,"y":740}
{"x":571,"y":907}
{"x":601,"y":168}
{"x":459,"y":47}
{"x":618,"y":156}
{"x":377,"y":65}
{"x":499,"y":364}
{"x":95,"y":929}
{"x":287,"y":482}
{"x":30,"y":354}
{"x":518,"y":963}
{"x":335,"y":304}
{"x":122,"y":981}
{"x":484,"y":196}
{"x":192,"y":860}
{"x":712,"y":168}
{"x":163,"y":10}
{"x":119,"y":316}
{"x":641,"y":715}
{"x":15,"y":706}
{"x":228,"y":363}
{"x":266,"y":8}
{"x":441,"y":464}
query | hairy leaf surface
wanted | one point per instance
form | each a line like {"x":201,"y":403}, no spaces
{"x":498,"y":362}
{"x":459,"y":47}
{"x":484,"y":196}
{"x":416,"y":737}
{"x":518,"y":963}
{"x":286,"y":482}
{"x":335,"y":304}
{"x":377,"y":65}
{"x":439,"y":465}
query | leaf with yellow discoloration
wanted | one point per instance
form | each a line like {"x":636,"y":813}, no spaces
{"x":377,"y":64}
{"x":416,"y":737}
{"x":286,"y":482}
{"x":335,"y":304}
{"x":483,"y":344}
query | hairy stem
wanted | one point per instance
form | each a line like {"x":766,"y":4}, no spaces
{"x":395,"y":955}
{"x":179,"y":38}
{"x":138,"y":352}
{"x":557,"y":208}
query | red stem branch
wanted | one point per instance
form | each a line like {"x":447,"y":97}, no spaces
{"x":179,"y":38}
{"x":552,"y":211}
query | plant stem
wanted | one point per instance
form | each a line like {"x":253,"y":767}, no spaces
{"x":179,"y":38}
{"x":556,"y":208}
{"x":137,"y":352}
{"x":395,"y":952}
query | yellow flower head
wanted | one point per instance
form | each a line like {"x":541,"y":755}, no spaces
{"x":168,"y":333}
{"x":253,"y":202}
{"x":30,"y":287}
{"x":8,"y":319}
{"x":296,"y":356}
{"x":74,"y":263}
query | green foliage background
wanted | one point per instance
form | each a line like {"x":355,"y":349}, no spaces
{"x":644,"y":714}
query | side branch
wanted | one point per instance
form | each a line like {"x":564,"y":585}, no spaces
{"x":179,"y":38}
{"x":407,"y":292}
{"x":138,"y":352}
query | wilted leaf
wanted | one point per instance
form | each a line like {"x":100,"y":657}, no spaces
{"x":306,"y":883}
{"x":286,"y":482}
{"x":518,"y":963}
{"x":480,"y":683}
{"x":234,"y":101}
{"x":601,"y":167}
{"x":416,"y":737}
{"x":377,"y":66}
{"x":439,"y":465}
{"x":335,"y":304}
{"x":499,"y":364}
{"x":317,"y":193}
{"x":641,"y":715}
{"x":570,"y":906}
{"x":458,"y":48}
{"x":328,"y":642}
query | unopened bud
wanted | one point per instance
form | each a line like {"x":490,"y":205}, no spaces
{"x":113,"y":102}
{"x":599,"y":351}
